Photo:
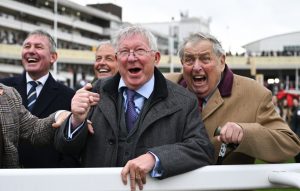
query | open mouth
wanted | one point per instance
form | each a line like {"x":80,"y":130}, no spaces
{"x":134,"y":70}
{"x":32,"y":60}
{"x":199,"y":78}
{"x":103,"y":70}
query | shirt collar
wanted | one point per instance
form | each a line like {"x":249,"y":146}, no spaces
{"x":145,"y":90}
{"x":42,"y":79}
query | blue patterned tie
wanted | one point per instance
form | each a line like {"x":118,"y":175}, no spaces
{"x":131,"y":114}
{"x":31,"y":97}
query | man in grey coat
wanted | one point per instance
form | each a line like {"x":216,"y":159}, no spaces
{"x":167,"y":137}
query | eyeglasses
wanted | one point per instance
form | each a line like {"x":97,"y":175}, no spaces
{"x":136,"y":53}
{"x":190,"y":59}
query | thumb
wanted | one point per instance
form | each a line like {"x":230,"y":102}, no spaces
{"x":88,"y":86}
{"x":61,"y":118}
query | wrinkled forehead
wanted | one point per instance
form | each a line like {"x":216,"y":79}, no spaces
{"x":199,"y":46}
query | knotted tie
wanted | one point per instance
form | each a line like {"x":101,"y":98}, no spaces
{"x":31,"y":97}
{"x":131,"y":114}
{"x":200,"y":103}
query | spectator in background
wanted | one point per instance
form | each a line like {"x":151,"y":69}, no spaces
{"x":295,"y":122}
{"x":105,"y":63}
{"x":156,"y":130}
{"x":240,"y":106}
{"x":38,"y":55}
{"x":81,"y":82}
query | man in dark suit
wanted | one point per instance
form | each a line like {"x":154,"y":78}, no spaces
{"x":155,"y":130}
{"x":38,"y":55}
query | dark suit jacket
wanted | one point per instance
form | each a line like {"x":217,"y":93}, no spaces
{"x":168,"y":125}
{"x":54,"y":96}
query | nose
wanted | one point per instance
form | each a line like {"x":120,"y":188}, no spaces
{"x":101,"y":61}
{"x":131,"y":56}
{"x":197,"y":65}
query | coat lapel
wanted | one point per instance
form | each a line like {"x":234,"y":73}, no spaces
{"x":48,"y":93}
{"x":213,"y":104}
{"x":110,"y":112}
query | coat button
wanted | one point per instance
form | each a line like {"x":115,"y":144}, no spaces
{"x":111,"y":141}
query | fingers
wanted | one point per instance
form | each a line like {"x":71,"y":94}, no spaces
{"x":138,"y":180}
{"x":82,"y":102}
{"x":231,"y":133}
{"x":87,"y":86}
{"x":61,"y":118}
{"x":90,"y":127}
{"x":137,"y":170}
{"x":136,"y":176}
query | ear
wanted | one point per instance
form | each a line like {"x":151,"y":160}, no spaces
{"x":156,"y":58}
{"x":53,"y":56}
{"x":222,"y":62}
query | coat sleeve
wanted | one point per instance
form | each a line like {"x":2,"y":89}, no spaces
{"x":274,"y":138}
{"x":70,"y":146}
{"x":192,"y":150}
{"x":38,"y":131}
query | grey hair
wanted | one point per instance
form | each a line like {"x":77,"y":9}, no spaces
{"x":47,"y":35}
{"x":131,"y":30}
{"x":197,"y":37}
{"x":103,"y":43}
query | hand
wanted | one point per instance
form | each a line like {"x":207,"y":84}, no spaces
{"x":137,"y":170}
{"x":81,"y":104}
{"x":90,"y":127}
{"x":231,"y":133}
{"x":61,"y":118}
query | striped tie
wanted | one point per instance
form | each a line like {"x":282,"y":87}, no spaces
{"x":31,"y":97}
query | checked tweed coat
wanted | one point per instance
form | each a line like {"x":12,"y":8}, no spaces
{"x":16,"y":122}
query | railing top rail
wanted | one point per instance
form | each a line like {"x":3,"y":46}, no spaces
{"x":223,"y":177}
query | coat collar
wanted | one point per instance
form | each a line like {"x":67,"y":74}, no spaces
{"x":225,"y":86}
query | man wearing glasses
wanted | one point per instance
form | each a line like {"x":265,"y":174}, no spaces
{"x":143,"y":122}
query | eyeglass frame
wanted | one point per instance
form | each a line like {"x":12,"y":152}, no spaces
{"x":133,"y":52}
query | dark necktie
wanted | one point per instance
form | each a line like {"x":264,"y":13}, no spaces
{"x":200,"y":103}
{"x":31,"y":97}
{"x":131,"y":114}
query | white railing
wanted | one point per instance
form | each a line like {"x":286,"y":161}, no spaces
{"x":224,"y":177}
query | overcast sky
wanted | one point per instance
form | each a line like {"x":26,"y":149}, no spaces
{"x":234,"y":22}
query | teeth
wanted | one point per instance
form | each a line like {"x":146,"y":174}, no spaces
{"x":103,"y":70}
{"x":31,"y":59}
{"x":198,"y":77}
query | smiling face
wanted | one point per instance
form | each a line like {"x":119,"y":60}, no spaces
{"x":202,"y":68}
{"x":106,"y":63}
{"x":135,"y":69}
{"x":37,"y":58}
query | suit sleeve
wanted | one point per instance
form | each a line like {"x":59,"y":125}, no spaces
{"x":70,"y":146}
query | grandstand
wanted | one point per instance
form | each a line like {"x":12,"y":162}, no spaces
{"x":79,"y":29}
